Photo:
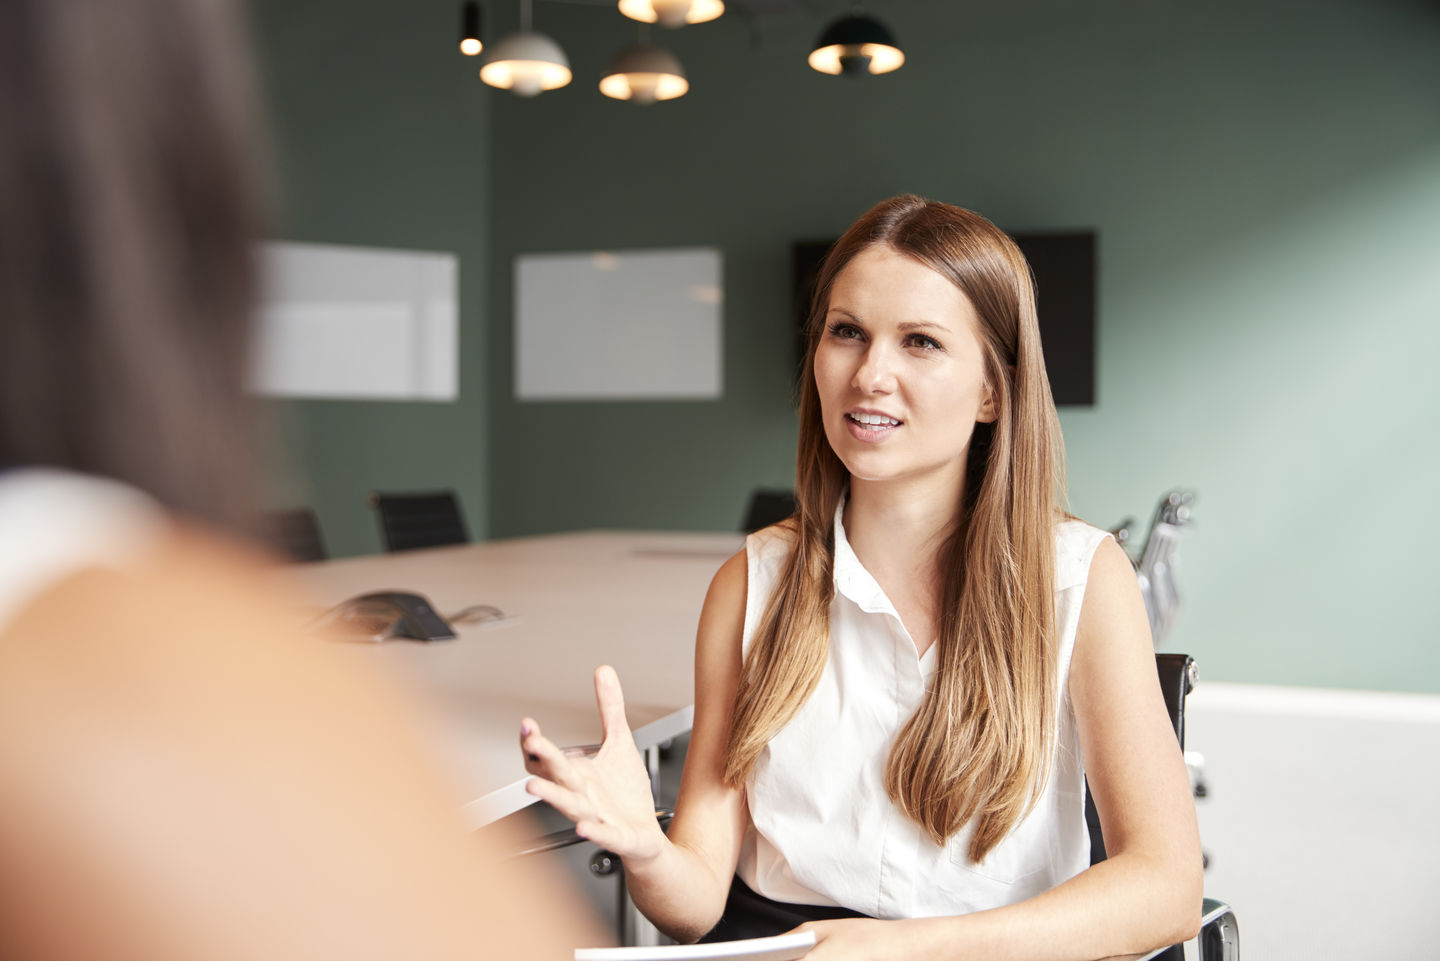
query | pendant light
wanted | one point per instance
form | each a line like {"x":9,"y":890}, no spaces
{"x":856,"y":46}
{"x":526,"y":62}
{"x":644,"y":74}
{"x":672,"y":13}
{"x":470,"y":44}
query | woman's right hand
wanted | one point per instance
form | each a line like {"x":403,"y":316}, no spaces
{"x":607,"y":795}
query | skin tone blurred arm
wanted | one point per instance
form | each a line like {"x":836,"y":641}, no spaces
{"x":1147,"y":893}
{"x":187,"y":777}
{"x":679,"y":881}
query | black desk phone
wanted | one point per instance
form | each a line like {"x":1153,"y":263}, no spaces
{"x":384,"y":614}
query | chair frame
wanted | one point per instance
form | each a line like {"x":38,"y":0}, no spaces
{"x":1219,"y":938}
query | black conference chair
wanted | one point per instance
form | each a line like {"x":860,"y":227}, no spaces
{"x":417,"y":519}
{"x":1219,"y":938}
{"x":767,"y":506}
{"x":295,"y":534}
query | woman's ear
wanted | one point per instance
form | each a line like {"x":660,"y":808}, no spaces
{"x":989,"y":410}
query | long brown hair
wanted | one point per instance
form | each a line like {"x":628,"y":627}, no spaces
{"x":130,"y":213}
{"x":979,"y":745}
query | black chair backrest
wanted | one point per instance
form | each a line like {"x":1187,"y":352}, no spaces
{"x":295,"y":534}
{"x":767,"y":506}
{"x":1177,"y":673}
{"x":419,"y":519}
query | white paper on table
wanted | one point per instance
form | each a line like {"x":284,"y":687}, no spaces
{"x":782,"y":947}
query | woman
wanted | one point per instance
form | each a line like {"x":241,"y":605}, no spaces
{"x":897,"y":689}
{"x":182,"y":774}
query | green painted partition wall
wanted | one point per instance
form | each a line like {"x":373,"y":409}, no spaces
{"x":380,"y":138}
{"x":1264,"y":179}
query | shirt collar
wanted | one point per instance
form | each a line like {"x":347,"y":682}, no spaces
{"x":851,"y":577}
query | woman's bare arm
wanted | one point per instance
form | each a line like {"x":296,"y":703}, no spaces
{"x":1148,"y":892}
{"x":679,"y":882}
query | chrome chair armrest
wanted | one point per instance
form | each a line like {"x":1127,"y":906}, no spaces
{"x":1219,"y":932}
{"x":1219,"y":937}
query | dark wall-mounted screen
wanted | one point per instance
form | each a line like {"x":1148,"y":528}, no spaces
{"x":1064,"y":264}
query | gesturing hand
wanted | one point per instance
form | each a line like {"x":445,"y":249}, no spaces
{"x":608,"y":795}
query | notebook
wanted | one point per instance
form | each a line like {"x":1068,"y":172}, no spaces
{"x":782,"y":947}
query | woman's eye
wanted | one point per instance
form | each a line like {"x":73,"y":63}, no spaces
{"x":920,"y":340}
{"x":844,"y":331}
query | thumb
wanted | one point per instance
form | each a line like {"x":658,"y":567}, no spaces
{"x":611,"y":701}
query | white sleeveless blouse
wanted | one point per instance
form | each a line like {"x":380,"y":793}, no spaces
{"x":54,"y":523}
{"x":823,"y":830}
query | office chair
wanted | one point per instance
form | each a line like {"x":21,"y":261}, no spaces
{"x":1155,"y":563}
{"x":1219,"y":938}
{"x":767,"y":506}
{"x":295,"y":534}
{"x":417,"y":519}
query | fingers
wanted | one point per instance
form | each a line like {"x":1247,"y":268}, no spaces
{"x":542,"y":756}
{"x":569,"y":803}
{"x":603,"y":834}
{"x":589,"y":824}
{"x":528,"y":726}
{"x":611,"y":701}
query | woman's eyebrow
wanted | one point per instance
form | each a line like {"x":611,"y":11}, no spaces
{"x":914,"y":325}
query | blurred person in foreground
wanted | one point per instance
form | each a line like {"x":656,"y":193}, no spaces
{"x":181,"y":774}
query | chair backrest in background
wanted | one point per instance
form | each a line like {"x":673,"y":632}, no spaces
{"x":416,"y":519}
{"x":767,"y":506}
{"x":295,"y":534}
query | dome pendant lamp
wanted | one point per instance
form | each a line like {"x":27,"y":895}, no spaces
{"x":644,"y":74}
{"x":856,"y":46}
{"x":526,"y":62}
{"x":672,"y":13}
{"x":470,"y":44}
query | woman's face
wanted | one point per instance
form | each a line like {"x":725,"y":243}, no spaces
{"x":899,"y":371}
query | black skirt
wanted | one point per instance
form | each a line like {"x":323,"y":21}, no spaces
{"x":751,"y":915}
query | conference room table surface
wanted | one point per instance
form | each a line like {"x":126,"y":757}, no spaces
{"x":571,"y":602}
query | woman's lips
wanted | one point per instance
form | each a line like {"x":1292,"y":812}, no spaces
{"x":871,"y":426}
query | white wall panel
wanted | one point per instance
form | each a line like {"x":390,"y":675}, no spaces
{"x":357,"y":323}
{"x":619,"y":325}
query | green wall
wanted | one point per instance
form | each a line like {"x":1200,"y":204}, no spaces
{"x":1265,"y":180}
{"x":381,"y":139}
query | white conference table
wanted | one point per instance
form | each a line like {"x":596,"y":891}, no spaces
{"x":574,"y":601}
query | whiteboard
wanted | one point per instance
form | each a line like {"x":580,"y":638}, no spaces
{"x":619,"y":325}
{"x":356,"y":323}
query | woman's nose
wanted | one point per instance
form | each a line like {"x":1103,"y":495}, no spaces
{"x":876,"y":374}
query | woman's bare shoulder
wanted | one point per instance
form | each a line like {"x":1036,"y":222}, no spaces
{"x":722,"y":619}
{"x":195,"y":632}
{"x":176,"y":706}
